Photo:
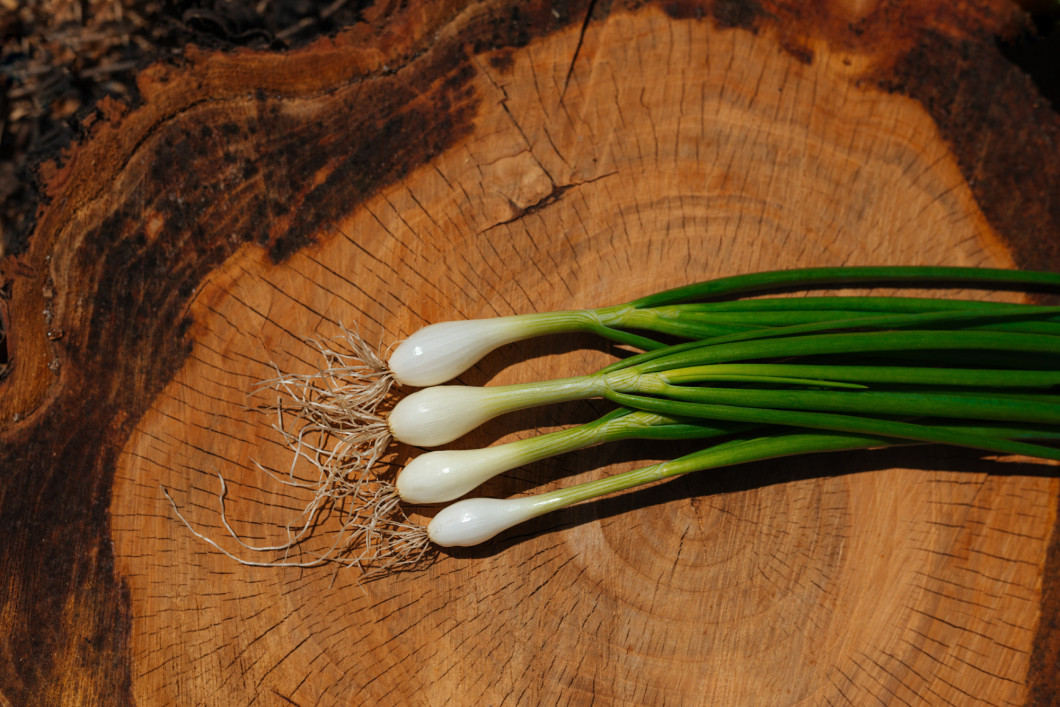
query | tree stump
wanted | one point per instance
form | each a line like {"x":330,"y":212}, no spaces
{"x":457,"y":160}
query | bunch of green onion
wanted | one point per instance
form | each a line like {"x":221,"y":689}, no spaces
{"x":738,"y":362}
{"x":754,"y":376}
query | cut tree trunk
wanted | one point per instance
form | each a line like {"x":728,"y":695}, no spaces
{"x":452,"y":160}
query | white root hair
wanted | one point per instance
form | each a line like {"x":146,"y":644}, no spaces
{"x":331,"y":422}
{"x":377,"y":541}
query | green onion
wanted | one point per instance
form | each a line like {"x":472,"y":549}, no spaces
{"x":751,"y":374}
{"x":440,"y":352}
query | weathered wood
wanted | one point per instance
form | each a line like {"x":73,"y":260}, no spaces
{"x":459,"y":160}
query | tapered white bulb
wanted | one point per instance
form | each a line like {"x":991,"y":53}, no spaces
{"x":442,"y":413}
{"x":440,"y":352}
{"x":475,"y":520}
{"x":437,"y":477}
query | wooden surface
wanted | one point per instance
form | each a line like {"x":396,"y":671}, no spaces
{"x":450,"y":160}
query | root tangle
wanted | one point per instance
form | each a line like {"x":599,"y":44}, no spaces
{"x":330,"y":420}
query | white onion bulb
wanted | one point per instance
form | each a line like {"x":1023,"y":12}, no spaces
{"x":475,"y":520}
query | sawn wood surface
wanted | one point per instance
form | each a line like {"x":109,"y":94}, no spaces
{"x":470,"y":159}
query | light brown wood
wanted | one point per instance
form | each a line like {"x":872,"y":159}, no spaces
{"x":670,"y":151}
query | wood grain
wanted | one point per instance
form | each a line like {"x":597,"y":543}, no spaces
{"x":451,"y":161}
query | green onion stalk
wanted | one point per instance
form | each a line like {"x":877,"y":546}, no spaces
{"x":440,"y":352}
{"x":750,"y":374}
